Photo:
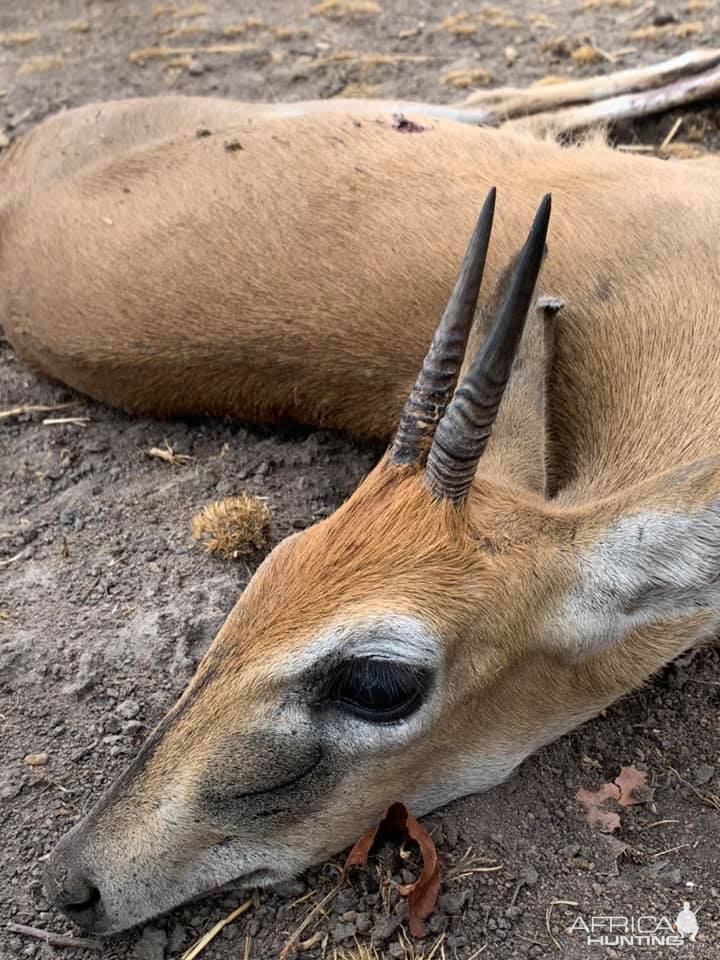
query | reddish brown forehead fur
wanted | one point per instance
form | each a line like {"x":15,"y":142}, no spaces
{"x":383,"y":550}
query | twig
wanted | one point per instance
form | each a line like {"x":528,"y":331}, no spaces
{"x":206,"y":938}
{"x":662,"y":853}
{"x":671,"y":135}
{"x":55,"y":939}
{"x":548,"y":915}
{"x":470,"y":872}
{"x":53,"y":421}
{"x":5,"y":563}
{"x":34,"y":408}
{"x":309,"y":918}
{"x":477,"y":953}
{"x":710,"y":800}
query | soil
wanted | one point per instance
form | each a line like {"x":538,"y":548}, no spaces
{"x":107,"y":604}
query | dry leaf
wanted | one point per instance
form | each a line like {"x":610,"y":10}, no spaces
{"x":633,"y":787}
{"x":423,"y":893}
{"x":592,"y":800}
{"x":629,"y":787}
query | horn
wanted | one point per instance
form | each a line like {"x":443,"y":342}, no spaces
{"x":437,"y":379}
{"x":464,"y":431}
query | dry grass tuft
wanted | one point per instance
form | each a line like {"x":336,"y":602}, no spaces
{"x":41,"y":65}
{"x":178,"y":63}
{"x":18,"y":39}
{"x":346,"y":9}
{"x":550,"y":80}
{"x":587,"y":53}
{"x":163,"y":52}
{"x":459,"y":24}
{"x":361,"y":91}
{"x":233,"y":527}
{"x":464,"y":78}
{"x":78,"y":26}
{"x":689,"y":28}
{"x":187,"y":30}
{"x":361,"y":952}
{"x":194,"y":10}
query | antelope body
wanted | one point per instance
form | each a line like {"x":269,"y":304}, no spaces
{"x":471,"y":601}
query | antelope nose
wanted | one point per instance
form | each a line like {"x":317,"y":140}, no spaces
{"x":74,"y":894}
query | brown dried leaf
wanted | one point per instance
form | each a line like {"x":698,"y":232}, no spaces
{"x":423,"y":893}
{"x":633,"y":787}
{"x":592,"y":800}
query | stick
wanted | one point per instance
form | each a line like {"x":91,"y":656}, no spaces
{"x":510,"y":102}
{"x":53,"y":421}
{"x":34,"y":408}
{"x":6,"y":563}
{"x":55,"y":939}
{"x":214,"y":931}
{"x":695,"y":87}
{"x":309,"y":917}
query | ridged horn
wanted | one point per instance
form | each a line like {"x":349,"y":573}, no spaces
{"x":464,"y":431}
{"x":436,"y":381}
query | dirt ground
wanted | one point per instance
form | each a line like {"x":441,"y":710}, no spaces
{"x":106,"y":604}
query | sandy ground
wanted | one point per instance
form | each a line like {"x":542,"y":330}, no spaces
{"x":106,"y":604}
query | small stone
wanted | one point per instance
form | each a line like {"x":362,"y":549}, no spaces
{"x":196,"y":69}
{"x":674,"y":878}
{"x":703,"y":774}
{"x":151,"y":945}
{"x":363,"y":922}
{"x":290,"y":888}
{"x":232,"y":145}
{"x":384,"y":927}
{"x":343,"y":931}
{"x":177,"y":938}
{"x":128,"y":709}
{"x":36,"y":759}
{"x":453,"y":902}
{"x":9,"y":786}
{"x":452,"y":834}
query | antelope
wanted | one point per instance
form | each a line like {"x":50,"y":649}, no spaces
{"x":543,"y":533}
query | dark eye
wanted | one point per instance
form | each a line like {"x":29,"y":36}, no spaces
{"x":377,"y":690}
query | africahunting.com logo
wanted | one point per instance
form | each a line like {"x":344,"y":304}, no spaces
{"x":641,"y":931}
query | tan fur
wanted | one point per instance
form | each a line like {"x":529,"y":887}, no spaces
{"x":297,"y":266}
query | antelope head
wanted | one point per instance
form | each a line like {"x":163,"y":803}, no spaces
{"x":418,"y":644}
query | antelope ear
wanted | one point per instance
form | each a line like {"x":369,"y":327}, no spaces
{"x":515,"y":453}
{"x":654,"y":566}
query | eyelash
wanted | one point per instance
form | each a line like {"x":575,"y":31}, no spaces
{"x":378,"y":691}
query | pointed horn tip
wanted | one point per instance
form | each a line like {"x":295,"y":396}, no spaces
{"x":538,"y":231}
{"x":544,"y":210}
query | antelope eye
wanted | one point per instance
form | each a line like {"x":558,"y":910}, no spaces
{"x":377,"y":690}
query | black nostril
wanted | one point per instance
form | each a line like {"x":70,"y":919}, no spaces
{"x":90,"y":899}
{"x":69,"y":886}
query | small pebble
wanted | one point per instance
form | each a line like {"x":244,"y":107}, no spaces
{"x":36,"y":759}
{"x":703,"y":774}
{"x":151,"y":945}
{"x":128,"y":709}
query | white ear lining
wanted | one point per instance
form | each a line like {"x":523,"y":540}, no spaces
{"x":649,"y":568}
